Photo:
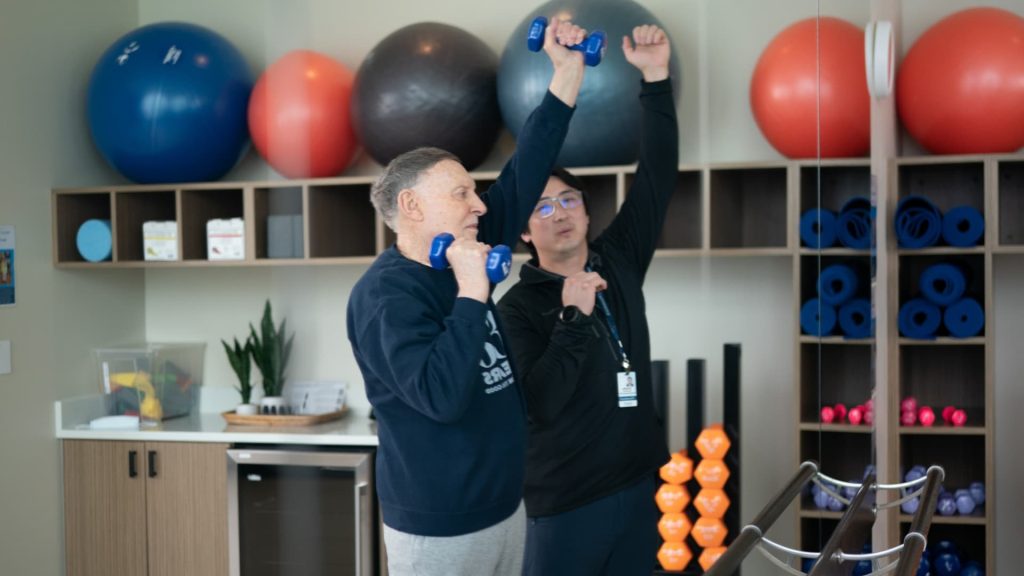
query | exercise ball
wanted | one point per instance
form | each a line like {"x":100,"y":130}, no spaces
{"x":428,"y":84}
{"x":167,"y":103}
{"x":960,"y":89}
{"x":785,"y":91}
{"x":605,"y":129}
{"x":299,"y":115}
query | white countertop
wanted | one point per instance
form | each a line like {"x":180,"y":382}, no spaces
{"x":72,"y":417}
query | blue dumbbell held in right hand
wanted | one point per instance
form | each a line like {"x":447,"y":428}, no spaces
{"x":593,"y":45}
{"x":499,"y":259}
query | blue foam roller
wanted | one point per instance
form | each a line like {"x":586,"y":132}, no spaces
{"x":972,"y":568}
{"x":817,"y":318}
{"x":943,"y":283}
{"x":853,"y":227}
{"x":919,"y":318}
{"x":946,"y":565}
{"x":965,"y":318}
{"x":963,"y":226}
{"x":818,"y":228}
{"x":918,"y":222}
{"x":855,"y":318}
{"x":94,"y":240}
{"x":837,"y":284}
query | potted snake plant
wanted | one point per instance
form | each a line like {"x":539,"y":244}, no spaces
{"x":270,"y":349}
{"x":240,"y":358}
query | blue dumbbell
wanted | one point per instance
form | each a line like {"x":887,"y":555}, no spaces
{"x":593,"y":45}
{"x":499,"y":259}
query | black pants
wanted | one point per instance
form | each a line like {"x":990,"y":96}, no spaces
{"x":616,"y":535}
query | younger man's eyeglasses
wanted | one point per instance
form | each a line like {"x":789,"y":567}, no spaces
{"x":567,"y":200}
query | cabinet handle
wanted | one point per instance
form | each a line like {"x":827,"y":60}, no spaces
{"x":133,"y":469}
{"x":152,"y":463}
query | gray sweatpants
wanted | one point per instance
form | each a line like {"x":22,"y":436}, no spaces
{"x":496,"y":550}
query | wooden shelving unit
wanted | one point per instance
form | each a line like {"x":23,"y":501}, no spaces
{"x":717,"y":210}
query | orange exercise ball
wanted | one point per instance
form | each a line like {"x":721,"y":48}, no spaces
{"x":960,"y":89}
{"x":299,"y":115}
{"x":784,"y":90}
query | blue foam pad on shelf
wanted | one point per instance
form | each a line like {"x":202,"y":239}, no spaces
{"x":964,"y":318}
{"x":943,"y":283}
{"x":837,"y":284}
{"x":94,"y":240}
{"x":918,"y":222}
{"x":853,"y":227}
{"x":855,"y":318}
{"x":817,"y":318}
{"x":919,"y":318}
{"x":818,"y":228}
{"x":963,"y":226}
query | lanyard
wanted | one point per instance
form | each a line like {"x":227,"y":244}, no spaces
{"x":612,"y":328}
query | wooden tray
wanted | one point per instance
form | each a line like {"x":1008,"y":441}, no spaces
{"x":282,"y":420}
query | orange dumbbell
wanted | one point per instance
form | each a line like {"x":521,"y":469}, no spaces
{"x":709,"y":556}
{"x":674,"y":527}
{"x":711,"y":502}
{"x":678,"y":470}
{"x":674,"y":556}
{"x":713,"y":442}
{"x":709,"y":532}
{"x":712,"y":473}
{"x":672,"y":498}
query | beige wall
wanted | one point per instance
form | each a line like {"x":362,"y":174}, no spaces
{"x":47,"y":49}
{"x":694,"y":305}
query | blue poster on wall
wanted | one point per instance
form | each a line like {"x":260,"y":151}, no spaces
{"x":6,"y":265}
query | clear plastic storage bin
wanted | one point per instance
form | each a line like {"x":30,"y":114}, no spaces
{"x":155,"y":381}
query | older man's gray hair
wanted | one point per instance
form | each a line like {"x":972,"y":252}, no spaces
{"x":401,"y":173}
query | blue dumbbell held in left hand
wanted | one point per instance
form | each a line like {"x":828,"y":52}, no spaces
{"x":593,"y":45}
{"x":499,"y":259}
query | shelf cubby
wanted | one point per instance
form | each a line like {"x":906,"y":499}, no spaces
{"x":749,"y":207}
{"x":70,"y":212}
{"x":284,"y":200}
{"x":845,"y":376}
{"x":341,"y":221}
{"x":1010,"y":203}
{"x":200,"y":205}
{"x":135,"y":208}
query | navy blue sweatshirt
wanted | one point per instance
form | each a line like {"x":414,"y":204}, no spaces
{"x":582,"y":445}
{"x":450,"y":410}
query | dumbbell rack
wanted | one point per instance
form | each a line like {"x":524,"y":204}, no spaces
{"x":695,"y":424}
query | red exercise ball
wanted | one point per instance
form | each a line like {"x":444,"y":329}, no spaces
{"x":784,"y":95}
{"x":299,"y":115}
{"x":960,"y":89}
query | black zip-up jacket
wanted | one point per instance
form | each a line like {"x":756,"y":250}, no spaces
{"x":582,"y":446}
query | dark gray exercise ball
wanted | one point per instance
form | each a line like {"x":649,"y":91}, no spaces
{"x":428,"y":84}
{"x":605,"y":129}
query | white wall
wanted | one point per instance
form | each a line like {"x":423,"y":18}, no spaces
{"x":694,"y":304}
{"x":1009,"y":332}
{"x":47,"y":50}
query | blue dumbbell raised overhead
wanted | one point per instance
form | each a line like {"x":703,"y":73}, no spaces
{"x":499,"y":259}
{"x":593,"y":45}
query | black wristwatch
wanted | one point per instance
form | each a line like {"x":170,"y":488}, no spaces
{"x":570,"y":315}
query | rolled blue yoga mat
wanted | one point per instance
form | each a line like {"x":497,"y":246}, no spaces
{"x":818,"y":228}
{"x":963,"y":226}
{"x":918,"y":222}
{"x":919,"y":319}
{"x":855,"y":318}
{"x":817,"y":318}
{"x":94,"y":240}
{"x":853,"y":227}
{"x":943,"y":284}
{"x":965,"y":318}
{"x":837,"y":284}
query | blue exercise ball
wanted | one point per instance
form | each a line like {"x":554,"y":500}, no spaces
{"x":167,"y":102}
{"x":606,"y":126}
{"x":428,"y":84}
